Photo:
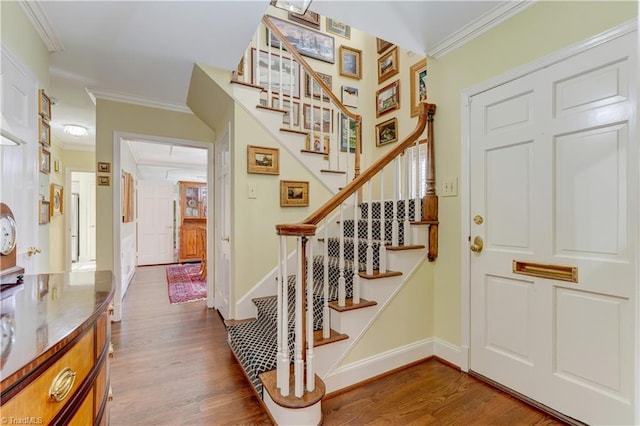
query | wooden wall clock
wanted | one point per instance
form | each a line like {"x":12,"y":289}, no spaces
{"x":8,"y":242}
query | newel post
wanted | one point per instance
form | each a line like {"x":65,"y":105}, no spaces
{"x":430,"y":200}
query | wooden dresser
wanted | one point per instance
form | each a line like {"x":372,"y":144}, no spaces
{"x":56,"y":333}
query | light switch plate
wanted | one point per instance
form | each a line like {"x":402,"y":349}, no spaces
{"x":251,"y":191}
{"x":450,"y":187}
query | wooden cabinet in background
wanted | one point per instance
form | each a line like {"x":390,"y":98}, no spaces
{"x":193,"y":213}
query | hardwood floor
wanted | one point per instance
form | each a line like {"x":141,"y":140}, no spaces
{"x":172,"y":365}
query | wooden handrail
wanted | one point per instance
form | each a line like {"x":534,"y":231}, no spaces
{"x":266,"y":19}
{"x":307,"y":226}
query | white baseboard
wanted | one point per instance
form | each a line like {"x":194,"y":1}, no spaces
{"x":362,"y":370}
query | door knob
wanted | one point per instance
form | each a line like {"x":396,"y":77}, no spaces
{"x":32,"y":251}
{"x":477,"y":245}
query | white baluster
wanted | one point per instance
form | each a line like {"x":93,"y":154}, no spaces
{"x":311,"y":382}
{"x":298,"y":363}
{"x":394,"y":223}
{"x":370,"y":232}
{"x":342,"y":290}
{"x":283,"y":362}
{"x":280,"y":88}
{"x":269,"y":71}
{"x":279,"y":280}
{"x":383,"y":237}
{"x":291,"y":118}
{"x":257,"y":63}
{"x":326,"y":320}
{"x":405,"y":194}
{"x":356,"y":254}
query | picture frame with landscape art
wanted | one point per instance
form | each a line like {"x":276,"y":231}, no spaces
{"x":309,"y":43}
{"x":294,"y":193}
{"x":56,"y":199}
{"x":350,"y":96}
{"x":45,"y":160}
{"x":418,"y":75}
{"x":290,"y":74}
{"x":263,"y":160}
{"x":348,"y":134}
{"x":44,"y":105}
{"x":388,"y":65}
{"x":314,"y":143}
{"x":387,"y":132}
{"x":388,"y":98}
{"x":351,"y":62}
{"x":286,"y":105}
{"x":326,"y":79}
{"x":44,"y":131}
{"x":338,"y":28}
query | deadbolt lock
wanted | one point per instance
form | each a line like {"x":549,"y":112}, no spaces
{"x":477,"y":219}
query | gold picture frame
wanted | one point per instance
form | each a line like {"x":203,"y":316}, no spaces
{"x":317,"y":145}
{"x":388,"y":98}
{"x":294,"y":193}
{"x":45,"y":160}
{"x":104,"y":180}
{"x":44,"y":105}
{"x":263,"y":160}
{"x":387,"y":132}
{"x":309,"y":18}
{"x":418,"y":73}
{"x":351,"y":62}
{"x":44,"y":132}
{"x":388,"y":65}
{"x":382,"y":45}
{"x":44,"y":215}
{"x":57,"y":199}
{"x":104,"y":167}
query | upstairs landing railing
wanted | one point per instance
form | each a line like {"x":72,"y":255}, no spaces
{"x":290,"y":84}
{"x":406,"y":175}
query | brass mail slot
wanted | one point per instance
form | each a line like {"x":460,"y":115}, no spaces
{"x":544,"y":270}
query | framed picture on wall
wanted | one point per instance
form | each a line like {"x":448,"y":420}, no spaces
{"x":387,"y":132}
{"x":263,"y":160}
{"x":338,"y":28}
{"x":44,"y":105}
{"x":309,"y":18}
{"x":45,"y":160}
{"x":382,"y":45}
{"x":388,"y":65}
{"x":350,"y":62}
{"x":388,"y":98}
{"x":294,"y":193}
{"x":44,"y":131}
{"x":418,"y":75}
{"x":310,"y":43}
{"x":56,"y":199}
{"x":44,"y":213}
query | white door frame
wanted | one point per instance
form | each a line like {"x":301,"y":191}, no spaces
{"x":118,"y":139}
{"x":219,"y":237}
{"x":465,"y":102}
{"x":67,"y":202}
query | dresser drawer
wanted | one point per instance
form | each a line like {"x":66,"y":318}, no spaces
{"x":35,"y":399}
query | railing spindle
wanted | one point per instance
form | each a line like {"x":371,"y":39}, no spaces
{"x":416,"y":199}
{"x":383,"y":229}
{"x":356,"y":256}
{"x":310,"y":355}
{"x":280,"y":280}
{"x":342,"y":291}
{"x":326,"y":320}
{"x":298,"y":363}
{"x":370,"y":231}
{"x":394,"y":223}
{"x":406,"y":196}
{"x":283,"y":362}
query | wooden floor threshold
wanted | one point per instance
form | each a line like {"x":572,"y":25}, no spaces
{"x":334,"y":336}
{"x":350,"y":306}
{"x":424,"y":222}
{"x":229,"y":323}
{"x":408,"y":247}
{"x":308,"y":399}
{"x":377,"y":274}
{"x":268,"y":108}
{"x":242,"y":83}
{"x":337,"y":172}
{"x":297,"y":132}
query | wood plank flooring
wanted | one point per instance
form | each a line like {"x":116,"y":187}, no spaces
{"x":172,"y":365}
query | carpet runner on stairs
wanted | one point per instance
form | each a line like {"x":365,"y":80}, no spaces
{"x":255,"y":342}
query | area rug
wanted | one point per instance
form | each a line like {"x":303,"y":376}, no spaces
{"x":185,"y":284}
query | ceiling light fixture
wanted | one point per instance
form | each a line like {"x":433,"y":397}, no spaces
{"x":297,"y":6}
{"x":75,"y":130}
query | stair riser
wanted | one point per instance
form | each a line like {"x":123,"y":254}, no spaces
{"x":388,"y":210}
{"x":334,"y":250}
{"x":376,"y":229}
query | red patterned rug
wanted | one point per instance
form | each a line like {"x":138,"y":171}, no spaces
{"x":185,"y":284}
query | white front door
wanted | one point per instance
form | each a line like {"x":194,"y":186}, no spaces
{"x":554,"y":192}
{"x":223,"y":226}
{"x":21,"y":184}
{"x":155,"y":222}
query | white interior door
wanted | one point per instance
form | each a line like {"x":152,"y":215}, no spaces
{"x":84,"y":184}
{"x":20,"y":175}
{"x":155,"y":222}
{"x":554,"y":177}
{"x":223,"y":226}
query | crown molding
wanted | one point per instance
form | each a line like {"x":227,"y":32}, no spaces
{"x":479,"y":26}
{"x":108,"y":95}
{"x":35,"y":14}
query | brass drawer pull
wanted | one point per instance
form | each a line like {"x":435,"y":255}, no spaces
{"x":111,"y":350}
{"x":62,"y":385}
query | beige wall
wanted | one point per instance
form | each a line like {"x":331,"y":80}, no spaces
{"x":543,"y":28}
{"x":120,"y":117}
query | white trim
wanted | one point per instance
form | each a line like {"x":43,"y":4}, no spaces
{"x":449,"y":352}
{"x":18,"y":64}
{"x":358,"y":371}
{"x":95,"y":93}
{"x":465,"y":101}
{"x":41,"y":24}
{"x":479,"y":26}
{"x":67,"y":199}
{"x":118,"y":139}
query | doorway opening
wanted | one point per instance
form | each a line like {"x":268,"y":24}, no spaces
{"x":82,"y":250}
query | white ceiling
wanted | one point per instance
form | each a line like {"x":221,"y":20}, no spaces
{"x":144,"y":51}
{"x":157,"y":161}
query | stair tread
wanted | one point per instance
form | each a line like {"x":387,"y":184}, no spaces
{"x":407,"y":247}
{"x":268,"y":108}
{"x":350,"y":306}
{"x":377,"y":274}
{"x":339,"y":172}
{"x":299,"y":132}
{"x":243,"y":83}
{"x":308,"y":151}
{"x":334,"y":336}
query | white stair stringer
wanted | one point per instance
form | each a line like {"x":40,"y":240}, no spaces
{"x":356,"y":322}
{"x":249,"y":97}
